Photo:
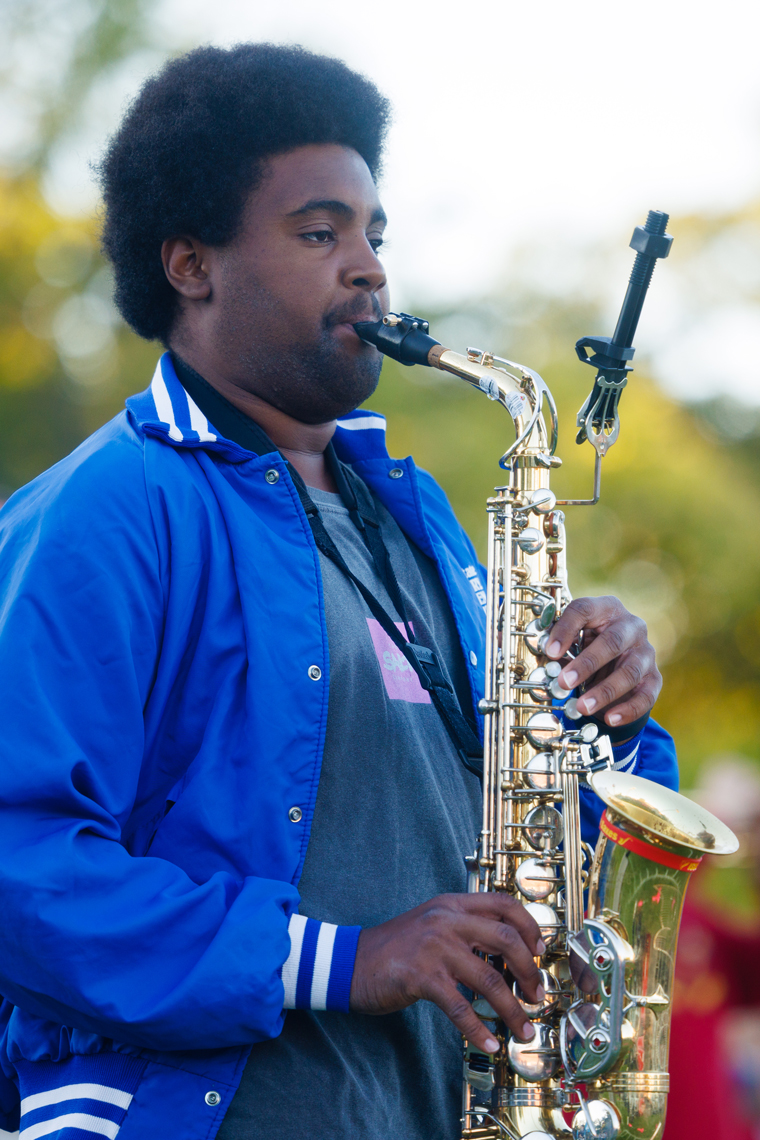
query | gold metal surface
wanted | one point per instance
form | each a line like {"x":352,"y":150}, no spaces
{"x":664,"y":813}
{"x":640,"y":1082}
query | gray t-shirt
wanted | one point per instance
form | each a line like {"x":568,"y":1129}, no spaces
{"x":396,"y":812}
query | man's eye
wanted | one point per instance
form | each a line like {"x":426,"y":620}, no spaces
{"x":376,"y":243}
{"x":319,"y":237}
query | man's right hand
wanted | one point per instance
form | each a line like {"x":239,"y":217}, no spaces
{"x":426,"y":952}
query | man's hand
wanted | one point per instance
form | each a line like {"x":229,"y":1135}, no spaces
{"x":617,"y":659}
{"x":427,"y":951}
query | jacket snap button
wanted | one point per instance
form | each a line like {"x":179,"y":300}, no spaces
{"x":315,"y":672}
{"x":473,"y":657}
{"x":295,"y":814}
{"x":395,"y":473}
{"x":272,"y":476}
{"x":212,"y":1098}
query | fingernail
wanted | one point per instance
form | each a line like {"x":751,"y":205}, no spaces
{"x":568,"y":680}
{"x":528,"y":1031}
{"x":540,"y":993}
{"x":589,"y":703}
{"x":492,"y":1045}
{"x":540,"y":947}
{"x":553,"y":649}
{"x":614,"y":718}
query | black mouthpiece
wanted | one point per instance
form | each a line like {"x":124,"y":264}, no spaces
{"x":399,"y":335}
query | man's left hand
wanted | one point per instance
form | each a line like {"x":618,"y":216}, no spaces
{"x":617,"y":662}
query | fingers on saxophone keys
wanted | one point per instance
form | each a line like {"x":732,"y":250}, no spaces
{"x":478,"y":976}
{"x":508,"y":944}
{"x":580,"y":614}
{"x":490,"y":984}
{"x":635,"y":677}
{"x":622,"y":641}
{"x":458,"y":1009}
{"x":511,"y":913}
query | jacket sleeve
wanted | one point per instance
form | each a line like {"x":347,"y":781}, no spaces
{"x":94,"y":938}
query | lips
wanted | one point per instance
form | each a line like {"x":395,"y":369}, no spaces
{"x":347,"y":327}
{"x":350,"y":318}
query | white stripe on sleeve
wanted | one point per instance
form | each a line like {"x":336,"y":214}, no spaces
{"x":296,"y":928}
{"x":76,"y":1092}
{"x":79,"y":1120}
{"x":627,"y":761}
{"x":320,"y":979}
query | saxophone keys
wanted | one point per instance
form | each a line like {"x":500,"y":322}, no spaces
{"x":596,"y":1120}
{"x":535,"y":880}
{"x":530,"y":540}
{"x":571,"y":709}
{"x":536,"y":637}
{"x":539,"y":682}
{"x":543,"y":501}
{"x":540,"y":1008}
{"x":543,"y":729}
{"x":542,"y":772}
{"x":548,"y":922}
{"x":543,"y":827}
{"x":537,"y":1059}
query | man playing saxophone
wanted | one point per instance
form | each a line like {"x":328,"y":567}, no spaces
{"x":233,"y":814}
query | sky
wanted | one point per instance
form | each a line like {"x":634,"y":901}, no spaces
{"x":548,"y":127}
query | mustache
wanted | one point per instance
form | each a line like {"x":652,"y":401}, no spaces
{"x":354,"y":311}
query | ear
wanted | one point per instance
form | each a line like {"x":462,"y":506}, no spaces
{"x":185,"y":264}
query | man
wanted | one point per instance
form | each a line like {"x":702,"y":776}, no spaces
{"x":223,"y":796}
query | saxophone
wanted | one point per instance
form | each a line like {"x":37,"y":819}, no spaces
{"x":596,"y":1068}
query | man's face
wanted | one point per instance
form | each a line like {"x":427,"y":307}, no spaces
{"x":286,"y":291}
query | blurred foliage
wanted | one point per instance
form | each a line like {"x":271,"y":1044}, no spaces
{"x":55,"y":55}
{"x":66,"y":359}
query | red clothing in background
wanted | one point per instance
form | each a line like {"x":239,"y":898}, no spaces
{"x":717,"y":969}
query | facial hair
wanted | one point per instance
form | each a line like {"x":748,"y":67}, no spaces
{"x":314,"y":380}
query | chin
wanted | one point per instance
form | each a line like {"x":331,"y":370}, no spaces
{"x":320,"y":382}
{"x":337,"y":383}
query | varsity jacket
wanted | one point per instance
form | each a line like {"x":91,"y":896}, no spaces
{"x":164,"y":674}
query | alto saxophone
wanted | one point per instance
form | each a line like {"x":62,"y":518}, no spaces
{"x":596,"y":1068}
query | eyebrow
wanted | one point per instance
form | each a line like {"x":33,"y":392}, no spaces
{"x":335,"y":206}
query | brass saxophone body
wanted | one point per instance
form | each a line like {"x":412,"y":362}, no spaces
{"x":596,"y":1068}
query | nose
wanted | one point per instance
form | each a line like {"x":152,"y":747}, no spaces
{"x":364,"y":270}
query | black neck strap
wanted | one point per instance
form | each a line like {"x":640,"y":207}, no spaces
{"x":241,"y":429}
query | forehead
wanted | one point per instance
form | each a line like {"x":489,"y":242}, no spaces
{"x":317,"y":173}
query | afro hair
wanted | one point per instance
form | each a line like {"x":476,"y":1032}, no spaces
{"x":193,"y":146}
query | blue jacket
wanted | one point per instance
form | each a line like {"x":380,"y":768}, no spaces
{"x":161,"y":612}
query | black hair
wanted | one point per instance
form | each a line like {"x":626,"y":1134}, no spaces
{"x":193,"y":145}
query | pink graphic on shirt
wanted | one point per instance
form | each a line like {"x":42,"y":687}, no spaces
{"x":401,"y":681}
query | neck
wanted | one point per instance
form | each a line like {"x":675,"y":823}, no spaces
{"x":302,"y":444}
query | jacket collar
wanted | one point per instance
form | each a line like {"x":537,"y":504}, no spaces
{"x":167,"y":412}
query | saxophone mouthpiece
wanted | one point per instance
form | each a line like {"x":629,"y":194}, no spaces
{"x":399,"y":335}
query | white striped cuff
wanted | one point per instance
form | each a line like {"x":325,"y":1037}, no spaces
{"x":57,"y":1099}
{"x":626,"y":756}
{"x":318,"y":970}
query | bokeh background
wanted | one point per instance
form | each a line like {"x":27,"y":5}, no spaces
{"x":528,"y":141}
